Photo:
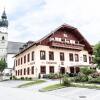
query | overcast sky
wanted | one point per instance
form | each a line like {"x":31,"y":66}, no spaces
{"x":33,"y":19}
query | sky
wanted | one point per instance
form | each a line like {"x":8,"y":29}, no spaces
{"x":33,"y":19}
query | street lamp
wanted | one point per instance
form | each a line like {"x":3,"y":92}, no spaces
{"x":59,"y":73}
{"x":36,"y":71}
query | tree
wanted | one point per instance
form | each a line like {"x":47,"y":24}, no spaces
{"x":3,"y":65}
{"x":97,"y":54}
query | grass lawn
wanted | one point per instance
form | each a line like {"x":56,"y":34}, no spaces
{"x":85,"y":85}
{"x":31,"y":83}
{"x":52,"y":87}
{"x":59,"y":86}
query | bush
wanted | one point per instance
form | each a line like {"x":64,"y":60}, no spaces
{"x":87,"y":70}
{"x":11,"y":78}
{"x":72,"y":74}
{"x":45,"y":76}
{"x":66,"y":81}
{"x":81,"y":78}
{"x":94,"y":80}
{"x":30,"y":78}
{"x":22,"y":78}
{"x":95,"y":75}
{"x":26,"y":78}
{"x":14,"y":77}
{"x":53,"y":76}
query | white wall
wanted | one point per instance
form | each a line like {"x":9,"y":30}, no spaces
{"x":10,"y":60}
{"x":56,"y":62}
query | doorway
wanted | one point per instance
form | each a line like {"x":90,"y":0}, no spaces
{"x":62,"y":70}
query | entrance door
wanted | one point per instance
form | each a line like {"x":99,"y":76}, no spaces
{"x":62,"y":70}
{"x":77,"y":69}
{"x":71,"y":69}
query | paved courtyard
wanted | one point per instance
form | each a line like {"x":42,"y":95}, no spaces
{"x":73,"y":93}
{"x":8,"y":91}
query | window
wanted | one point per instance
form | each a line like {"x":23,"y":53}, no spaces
{"x":42,"y":55}
{"x":16,"y":72}
{"x":51,"y":55}
{"x":85,"y":58}
{"x":21,"y":60}
{"x":76,"y":57}
{"x":51,"y":69}
{"x":32,"y":55}
{"x":76,"y":42}
{"x":21,"y":72}
{"x":32,"y":70}
{"x":43,"y":70}
{"x":62,"y":39}
{"x":3,"y":38}
{"x":25,"y":59}
{"x":28,"y":57}
{"x":61,"y":56}
{"x":28,"y":71}
{"x":18,"y":61}
{"x":71,"y":57}
{"x":24,"y":71}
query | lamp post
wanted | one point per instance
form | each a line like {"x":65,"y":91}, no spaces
{"x":59,"y":74}
{"x":36,"y":71}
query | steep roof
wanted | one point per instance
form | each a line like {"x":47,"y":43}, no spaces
{"x":13,"y":47}
{"x":64,"y":26}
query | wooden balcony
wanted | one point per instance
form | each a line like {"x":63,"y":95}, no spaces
{"x":66,"y":45}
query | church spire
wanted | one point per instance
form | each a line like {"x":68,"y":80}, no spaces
{"x":4,"y":15}
{"x":4,"y":21}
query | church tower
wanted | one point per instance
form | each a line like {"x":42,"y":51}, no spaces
{"x":3,"y":36}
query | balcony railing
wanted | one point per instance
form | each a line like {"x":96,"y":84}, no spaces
{"x":66,"y":45}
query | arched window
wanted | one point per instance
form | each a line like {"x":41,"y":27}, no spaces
{"x":3,"y":38}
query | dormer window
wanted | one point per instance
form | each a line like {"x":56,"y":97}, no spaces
{"x":76,"y":42}
{"x":3,"y":38}
{"x":62,"y":39}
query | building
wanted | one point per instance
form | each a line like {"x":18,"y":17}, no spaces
{"x":3,"y":36}
{"x":7,"y":48}
{"x":65,"y":50}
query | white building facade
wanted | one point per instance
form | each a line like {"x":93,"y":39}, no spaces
{"x":64,"y":50}
{"x":3,"y":36}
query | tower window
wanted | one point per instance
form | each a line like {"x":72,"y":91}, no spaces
{"x":3,"y":38}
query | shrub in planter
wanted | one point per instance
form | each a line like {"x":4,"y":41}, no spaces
{"x":29,"y":78}
{"x":66,"y":81}
{"x":22,"y":78}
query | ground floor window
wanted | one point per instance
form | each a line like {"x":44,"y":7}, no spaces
{"x":77,"y":69}
{"x":28,"y":71}
{"x":16,"y":72}
{"x":43,"y":69}
{"x":62,"y":70}
{"x":21,"y":72}
{"x":71,"y":69}
{"x":24,"y":71}
{"x":51,"y":69}
{"x":32,"y":70}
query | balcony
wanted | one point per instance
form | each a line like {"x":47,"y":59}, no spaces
{"x":64,"y":45}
